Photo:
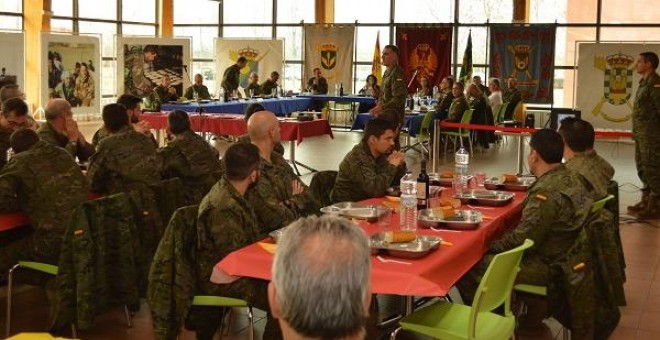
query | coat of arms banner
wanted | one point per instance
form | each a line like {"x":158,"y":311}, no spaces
{"x":526,"y":53}
{"x":330,"y":48}
{"x":424,"y":52}
{"x":607,"y":82}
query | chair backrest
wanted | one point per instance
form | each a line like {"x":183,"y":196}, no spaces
{"x":600,"y":204}
{"x":466,"y":119}
{"x":426,"y":123}
{"x":496,"y":285}
{"x":518,"y":112}
{"x":499,"y":116}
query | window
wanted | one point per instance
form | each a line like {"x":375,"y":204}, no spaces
{"x":293,"y":44}
{"x":480,"y":44}
{"x":139,"y":11}
{"x":62,"y":8}
{"x":293,"y":11}
{"x":11,"y":22}
{"x":638,"y":11}
{"x":364,"y":11}
{"x":248,"y":11}
{"x":421,"y":11}
{"x":11,"y":6}
{"x":550,"y":11}
{"x":247,"y":32}
{"x":203,"y":39}
{"x":480,"y":11}
{"x":132,"y":29}
{"x":366,"y":41}
{"x":107,"y":32}
{"x":94,"y":9}
{"x":565,"y":43}
{"x":197,"y":12}
{"x":629,"y":33}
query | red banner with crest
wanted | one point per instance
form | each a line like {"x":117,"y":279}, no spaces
{"x":424,"y":51}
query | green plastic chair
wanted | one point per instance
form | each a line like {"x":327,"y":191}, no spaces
{"x":445,"y":320}
{"x":499,"y":115}
{"x":600,"y":204}
{"x":423,"y":136}
{"x":227,"y":302}
{"x":461,"y":133}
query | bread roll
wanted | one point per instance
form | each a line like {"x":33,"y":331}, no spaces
{"x":400,"y":236}
{"x":450,"y":202}
{"x":443,"y":212}
{"x":447,"y":174}
{"x":509,"y":179}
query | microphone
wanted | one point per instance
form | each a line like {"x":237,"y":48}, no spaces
{"x":412,"y":78}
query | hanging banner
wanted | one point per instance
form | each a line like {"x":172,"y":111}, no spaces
{"x":330,"y":48}
{"x":607,"y":82}
{"x":424,"y":52}
{"x":526,"y":53}
{"x":12,"y":64}
{"x":263,"y":57}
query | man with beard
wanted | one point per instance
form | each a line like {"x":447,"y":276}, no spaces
{"x":133,"y":107}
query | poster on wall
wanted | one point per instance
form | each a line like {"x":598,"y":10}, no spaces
{"x":424,"y":52}
{"x":143,"y":63}
{"x":263,"y":57}
{"x":607,"y":82}
{"x":71,"y":70}
{"x":12,"y":65}
{"x":526,"y":53}
{"x":330,"y":48}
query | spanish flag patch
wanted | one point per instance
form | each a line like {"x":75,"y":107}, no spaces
{"x":541,"y":197}
{"x":79,"y":232}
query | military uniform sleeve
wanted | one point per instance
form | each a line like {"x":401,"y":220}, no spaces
{"x":204,"y":93}
{"x":84,"y":151}
{"x":172,"y":164}
{"x":538,"y":214}
{"x":456,"y":112}
{"x":362,"y":173}
{"x":655,"y":99}
{"x":97,"y":171}
{"x":399,"y":93}
{"x":323,"y":86}
{"x":272,"y":213}
{"x":10,"y":181}
{"x":189,"y":93}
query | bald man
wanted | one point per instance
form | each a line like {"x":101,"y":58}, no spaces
{"x":60,"y":129}
{"x":279,"y":197}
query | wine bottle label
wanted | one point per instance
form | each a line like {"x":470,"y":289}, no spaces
{"x":421,"y":190}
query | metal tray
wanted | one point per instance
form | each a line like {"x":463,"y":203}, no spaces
{"x":485,"y":197}
{"x":444,"y":181}
{"x":463,"y":220}
{"x":418,"y":248}
{"x":360,"y":211}
{"x":522,"y":185}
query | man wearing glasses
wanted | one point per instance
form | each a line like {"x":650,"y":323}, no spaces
{"x":14,"y":117}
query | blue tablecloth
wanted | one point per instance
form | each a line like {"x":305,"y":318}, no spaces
{"x":412,"y":123}
{"x":281,"y":106}
{"x":342,"y":99}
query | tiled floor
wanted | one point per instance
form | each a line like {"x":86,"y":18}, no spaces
{"x":640,"y":241}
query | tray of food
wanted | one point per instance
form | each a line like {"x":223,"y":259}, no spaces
{"x":491,"y":198}
{"x":510,"y":183}
{"x":360,"y":211}
{"x":394,"y":193}
{"x":443,"y":179}
{"x":404,"y":244}
{"x":448,"y":217}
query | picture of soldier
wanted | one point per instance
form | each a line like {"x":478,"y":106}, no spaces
{"x":71,"y":73}
{"x":145,"y":66}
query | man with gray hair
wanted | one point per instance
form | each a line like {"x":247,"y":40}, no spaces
{"x":61,"y":130}
{"x":320,"y":287}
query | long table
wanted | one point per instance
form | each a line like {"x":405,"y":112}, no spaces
{"x":280,"y":106}
{"x":340,"y":99}
{"x":432,"y":275}
{"x":412,"y":122}
{"x":234,"y":125}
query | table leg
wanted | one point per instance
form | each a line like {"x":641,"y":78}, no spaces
{"x":294,"y":162}
{"x":521,"y":148}
{"x":436,"y":142}
{"x":158,"y":136}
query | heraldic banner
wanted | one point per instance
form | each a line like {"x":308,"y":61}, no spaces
{"x":526,"y":53}
{"x":263,"y":57}
{"x":330,"y":48}
{"x":607,"y":82}
{"x":424,"y":52}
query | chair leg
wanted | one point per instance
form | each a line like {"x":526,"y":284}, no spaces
{"x":127,"y":314}
{"x":74,"y":331}
{"x":9,"y":296}
{"x":396,"y":331}
{"x":471,"y":153}
{"x":250,"y":322}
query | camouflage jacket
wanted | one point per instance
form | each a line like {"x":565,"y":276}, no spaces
{"x":279,"y":148}
{"x":225,"y":223}
{"x":102,"y":133}
{"x":190,"y":158}
{"x":124,"y":161}
{"x":457,"y":108}
{"x":444,"y":104}
{"x":646,"y":111}
{"x":361,"y":176}
{"x":554,"y":212}
{"x":267,"y":87}
{"x":511,"y":97}
{"x":160,"y":96}
{"x":393,"y":94}
{"x":47,"y":184}
{"x":4,"y":145}
{"x":320,"y":88}
{"x":48,"y":133}
{"x":202,"y":92}
{"x":595,"y":169}
{"x":231,"y":78}
{"x":272,"y":196}
{"x":256,"y":89}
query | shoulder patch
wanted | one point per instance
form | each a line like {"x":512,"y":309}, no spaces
{"x":541,"y":197}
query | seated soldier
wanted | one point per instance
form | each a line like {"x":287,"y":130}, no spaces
{"x":556,"y":207}
{"x":60,"y":129}
{"x":253,"y":89}
{"x":226,"y":222}
{"x":45,"y":182}
{"x":280,"y":197}
{"x":14,"y":117}
{"x":14,"y":91}
{"x":329,"y":255}
{"x":458,"y":105}
{"x":581,"y":157}
{"x":189,"y":157}
{"x":163,"y":93}
{"x":197,"y":88}
{"x":126,"y":159}
{"x":371,"y":167}
{"x":249,"y":111}
{"x":133,"y":105}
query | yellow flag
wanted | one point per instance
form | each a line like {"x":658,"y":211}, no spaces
{"x":375,"y":66}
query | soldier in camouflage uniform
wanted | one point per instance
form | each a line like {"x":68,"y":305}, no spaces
{"x":646,"y":124}
{"x":253,"y":85}
{"x":139,"y":62}
{"x":200,"y":88}
{"x":226,"y":222}
{"x":270,"y":84}
{"x":391,"y":104}
{"x":60,"y":129}
{"x":190,"y":158}
{"x":280,"y":197}
{"x":511,"y":97}
{"x":133,"y":105}
{"x":125,"y":160}
{"x":231,"y":76}
{"x":249,"y":111}
{"x":14,"y":116}
{"x":458,"y":105}
{"x":581,"y":158}
{"x":163,"y":93}
{"x":371,"y":167}
{"x":45,"y":182}
{"x":556,"y":207}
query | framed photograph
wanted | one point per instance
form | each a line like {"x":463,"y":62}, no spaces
{"x":71,"y":69}
{"x":143,"y":62}
{"x":12,"y":65}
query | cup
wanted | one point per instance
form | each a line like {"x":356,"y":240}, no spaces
{"x":480,"y":177}
{"x":385,"y":220}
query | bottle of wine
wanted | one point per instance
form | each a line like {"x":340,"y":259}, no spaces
{"x":422,"y":188}
{"x":341,"y":89}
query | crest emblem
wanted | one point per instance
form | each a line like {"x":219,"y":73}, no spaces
{"x":617,"y":85}
{"x":253,"y":57}
{"x":423,"y":60}
{"x":328,"y":56}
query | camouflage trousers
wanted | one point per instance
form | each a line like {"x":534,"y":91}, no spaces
{"x":648,"y":165}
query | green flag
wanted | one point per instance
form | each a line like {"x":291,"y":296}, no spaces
{"x":466,"y":69}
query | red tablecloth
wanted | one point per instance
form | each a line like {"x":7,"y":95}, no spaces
{"x":13,"y":220}
{"x":432,"y":275}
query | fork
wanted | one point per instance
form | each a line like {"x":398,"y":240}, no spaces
{"x":384,"y":260}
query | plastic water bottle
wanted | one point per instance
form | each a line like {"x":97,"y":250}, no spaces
{"x":408,"y":202}
{"x":461,"y":165}
{"x":435,"y":92}
{"x":221,"y":95}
